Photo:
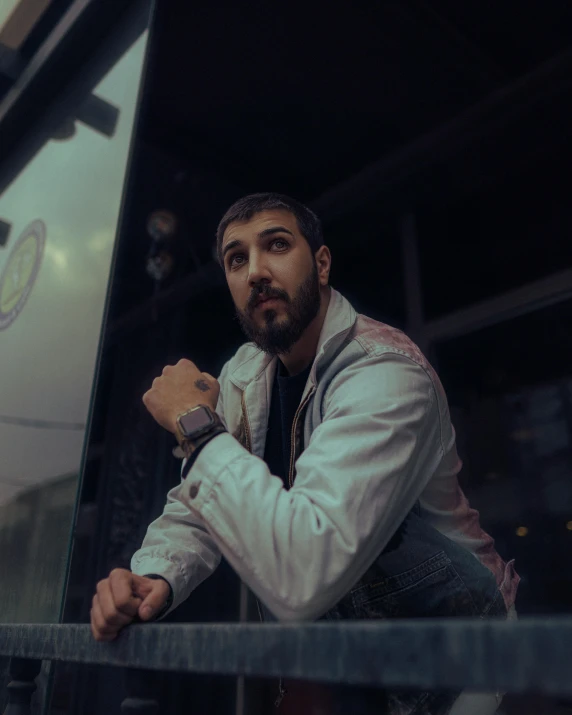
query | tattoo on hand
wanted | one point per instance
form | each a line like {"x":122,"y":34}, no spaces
{"x":202,"y":385}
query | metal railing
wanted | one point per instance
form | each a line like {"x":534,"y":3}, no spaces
{"x":533,"y":655}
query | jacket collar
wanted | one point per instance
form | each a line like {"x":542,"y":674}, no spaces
{"x":340,"y":319}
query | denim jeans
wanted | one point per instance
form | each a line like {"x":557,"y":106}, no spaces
{"x":421,"y":573}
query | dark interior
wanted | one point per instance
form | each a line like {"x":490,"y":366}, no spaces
{"x":456,"y":113}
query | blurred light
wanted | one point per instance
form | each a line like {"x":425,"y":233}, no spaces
{"x":522,"y":531}
{"x":59,"y":257}
{"x":161,"y":225}
{"x":569,"y":526}
{"x":522,"y":435}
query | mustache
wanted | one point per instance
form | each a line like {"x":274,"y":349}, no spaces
{"x":265,"y":295}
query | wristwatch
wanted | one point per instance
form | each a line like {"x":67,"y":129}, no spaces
{"x":196,"y":427}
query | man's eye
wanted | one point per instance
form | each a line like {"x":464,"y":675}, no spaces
{"x":240,"y":255}
{"x":233,"y":258}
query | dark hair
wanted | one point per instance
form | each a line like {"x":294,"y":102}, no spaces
{"x":244,"y":209}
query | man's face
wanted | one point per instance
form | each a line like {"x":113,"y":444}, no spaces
{"x":267,"y":257}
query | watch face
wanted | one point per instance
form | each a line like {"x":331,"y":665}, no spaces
{"x":195,"y":421}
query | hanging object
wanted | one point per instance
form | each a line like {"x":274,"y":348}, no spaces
{"x":161,"y":227}
{"x":66,"y":130}
{"x":160,"y":265}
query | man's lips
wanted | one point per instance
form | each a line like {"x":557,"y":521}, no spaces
{"x":262,"y":301}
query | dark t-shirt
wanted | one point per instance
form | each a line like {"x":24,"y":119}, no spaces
{"x":286,"y":396}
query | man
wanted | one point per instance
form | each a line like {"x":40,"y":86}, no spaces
{"x":322,"y":464}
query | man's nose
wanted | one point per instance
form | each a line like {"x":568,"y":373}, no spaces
{"x":258,"y":271}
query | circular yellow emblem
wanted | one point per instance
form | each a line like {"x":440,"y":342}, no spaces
{"x":20,"y":272}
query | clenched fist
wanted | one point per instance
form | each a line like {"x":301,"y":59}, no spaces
{"x":121,"y":597}
{"x":180,"y":388}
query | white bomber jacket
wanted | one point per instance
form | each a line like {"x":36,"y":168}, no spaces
{"x":372,"y":437}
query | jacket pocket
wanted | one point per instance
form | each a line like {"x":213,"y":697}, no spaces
{"x":431,"y":589}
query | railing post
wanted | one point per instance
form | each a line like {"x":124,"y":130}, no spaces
{"x":22,"y":685}
{"x":141,"y":687}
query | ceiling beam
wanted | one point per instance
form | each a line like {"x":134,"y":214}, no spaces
{"x":487,"y":66}
{"x":61,"y":75}
{"x":501,"y":109}
{"x":531,"y":297}
{"x":20,"y":22}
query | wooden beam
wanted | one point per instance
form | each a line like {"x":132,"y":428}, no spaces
{"x":20,"y":22}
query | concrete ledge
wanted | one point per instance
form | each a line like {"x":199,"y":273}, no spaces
{"x":531,"y":655}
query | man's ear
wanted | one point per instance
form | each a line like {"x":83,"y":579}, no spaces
{"x":324,"y":263}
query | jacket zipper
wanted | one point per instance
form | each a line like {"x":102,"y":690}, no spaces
{"x":281,"y":693}
{"x":281,"y":690}
{"x":292,"y":438}
{"x":246,"y":424}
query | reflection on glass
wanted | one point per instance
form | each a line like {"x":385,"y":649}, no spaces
{"x":54,"y":273}
{"x":510,"y":388}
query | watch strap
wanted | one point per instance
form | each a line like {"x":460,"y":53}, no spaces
{"x":190,"y":446}
{"x":198,"y":445}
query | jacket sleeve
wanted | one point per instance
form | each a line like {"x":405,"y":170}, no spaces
{"x":364,"y":468}
{"x":177,"y":546}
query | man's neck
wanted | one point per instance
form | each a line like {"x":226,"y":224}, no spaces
{"x":304,"y":351}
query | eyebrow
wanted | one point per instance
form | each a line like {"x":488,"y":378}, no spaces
{"x":263,"y":234}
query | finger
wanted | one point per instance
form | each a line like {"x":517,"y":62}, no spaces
{"x":123,"y":595}
{"x":142,"y":586}
{"x":110,"y":612}
{"x":154,"y":600}
{"x":101,"y":631}
{"x":98,"y":625}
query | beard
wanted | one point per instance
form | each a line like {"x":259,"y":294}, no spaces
{"x":278,"y":336}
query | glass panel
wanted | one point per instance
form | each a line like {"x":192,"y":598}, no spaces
{"x":54,"y":273}
{"x":496,"y":241}
{"x":510,"y":389}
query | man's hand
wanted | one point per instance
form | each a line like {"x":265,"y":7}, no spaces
{"x":120,"y":598}
{"x":180,"y":388}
